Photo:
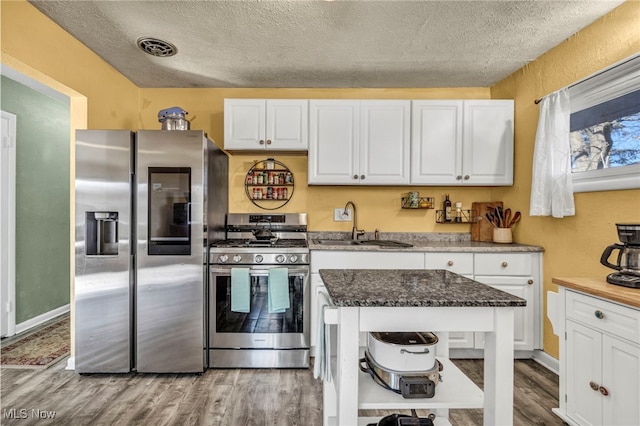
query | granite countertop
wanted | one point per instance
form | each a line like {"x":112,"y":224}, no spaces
{"x":422,"y":242}
{"x":411,"y":288}
{"x":600,"y":288}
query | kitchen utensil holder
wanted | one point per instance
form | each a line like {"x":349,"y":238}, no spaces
{"x":468,"y":216}
{"x":502,"y":235}
{"x":266,"y":173}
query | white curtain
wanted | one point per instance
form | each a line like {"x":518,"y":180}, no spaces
{"x":551,"y":186}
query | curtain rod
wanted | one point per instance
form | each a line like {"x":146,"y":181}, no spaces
{"x":622,"y":62}
{"x":537,"y":101}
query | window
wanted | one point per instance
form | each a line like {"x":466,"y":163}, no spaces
{"x":605,"y":129}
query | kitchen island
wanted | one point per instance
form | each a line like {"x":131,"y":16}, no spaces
{"x":393,"y":300}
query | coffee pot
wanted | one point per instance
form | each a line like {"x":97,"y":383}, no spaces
{"x":628,"y":259}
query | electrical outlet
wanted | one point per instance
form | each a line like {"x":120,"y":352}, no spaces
{"x":340,"y":215}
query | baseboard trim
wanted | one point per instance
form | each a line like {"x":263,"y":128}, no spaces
{"x":40,"y":319}
{"x":547,"y":361}
{"x":71,"y":363}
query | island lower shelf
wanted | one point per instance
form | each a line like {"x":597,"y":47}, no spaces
{"x":455,"y":391}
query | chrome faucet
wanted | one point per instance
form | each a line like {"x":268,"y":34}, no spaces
{"x":355,"y":232}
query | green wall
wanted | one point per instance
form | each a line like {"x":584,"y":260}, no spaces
{"x":42,"y":199}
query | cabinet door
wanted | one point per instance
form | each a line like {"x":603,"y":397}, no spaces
{"x":244,"y":124}
{"x":621,"y":378}
{"x":436,"y":142}
{"x":384,"y":142}
{"x":460,"y":263}
{"x":487,"y":157}
{"x":334,"y":135}
{"x":287,"y":124}
{"x":583,"y":367}
{"x":523,"y":322}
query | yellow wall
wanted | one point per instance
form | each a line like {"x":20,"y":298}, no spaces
{"x":34,"y":40}
{"x":377,"y":207}
{"x":572,"y":245}
{"x":100,"y":97}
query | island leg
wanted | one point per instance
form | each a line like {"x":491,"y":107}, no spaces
{"x":498,"y":369}
{"x":348,"y":370}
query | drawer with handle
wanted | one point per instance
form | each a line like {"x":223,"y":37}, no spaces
{"x":503,"y":264}
{"x":605,"y":316}
{"x":460,"y":263}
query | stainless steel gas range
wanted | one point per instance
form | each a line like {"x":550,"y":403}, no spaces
{"x":259,"y":248}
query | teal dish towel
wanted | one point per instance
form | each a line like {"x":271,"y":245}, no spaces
{"x":240,"y":290}
{"x":278,"y":290}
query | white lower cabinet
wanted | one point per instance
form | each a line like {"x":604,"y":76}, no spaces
{"x":460,"y":263}
{"x":600,"y":370}
{"x":515,"y":273}
{"x":523,"y":328}
{"x":325,"y":259}
{"x":518,"y":274}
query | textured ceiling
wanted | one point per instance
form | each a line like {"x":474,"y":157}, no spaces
{"x":324,"y":43}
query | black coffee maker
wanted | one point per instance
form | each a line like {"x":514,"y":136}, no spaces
{"x":628,"y":263}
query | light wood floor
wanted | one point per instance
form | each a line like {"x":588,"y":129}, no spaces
{"x":223,"y":397}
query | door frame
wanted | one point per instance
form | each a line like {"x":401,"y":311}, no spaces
{"x":8,"y":221}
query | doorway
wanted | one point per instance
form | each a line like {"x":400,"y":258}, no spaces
{"x":41,"y":205}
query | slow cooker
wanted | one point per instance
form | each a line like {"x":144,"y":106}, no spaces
{"x":403,"y":351}
{"x":404,"y":363}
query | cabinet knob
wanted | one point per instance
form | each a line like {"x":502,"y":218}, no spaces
{"x":466,"y":177}
{"x":594,"y":386}
{"x":450,"y":263}
{"x":505,"y":264}
{"x":268,"y":141}
{"x":459,"y":177}
{"x":355,"y":176}
{"x":599,"y":314}
{"x":362,"y":177}
{"x":530,"y":282}
{"x":261,"y":142}
{"x":603,"y":391}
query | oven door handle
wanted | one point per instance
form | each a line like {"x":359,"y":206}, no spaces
{"x":258,"y":272}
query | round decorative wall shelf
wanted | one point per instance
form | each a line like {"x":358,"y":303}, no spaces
{"x":269,"y":184}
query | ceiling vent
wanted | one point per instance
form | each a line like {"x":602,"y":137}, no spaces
{"x":156,"y":47}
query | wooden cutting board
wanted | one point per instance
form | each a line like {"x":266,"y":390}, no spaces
{"x":482,"y":229}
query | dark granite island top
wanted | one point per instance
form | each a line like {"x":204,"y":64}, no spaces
{"x":411,"y":288}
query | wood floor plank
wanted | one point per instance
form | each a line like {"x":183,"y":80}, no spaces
{"x":226,"y":397}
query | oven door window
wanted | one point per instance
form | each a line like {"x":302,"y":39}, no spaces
{"x":259,"y":320}
{"x":169,"y":211}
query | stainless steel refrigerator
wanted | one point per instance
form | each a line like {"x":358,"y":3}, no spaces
{"x":147,"y":203}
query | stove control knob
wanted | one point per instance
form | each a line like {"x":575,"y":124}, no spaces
{"x":293,"y":258}
{"x":280,"y":258}
{"x":237,"y":258}
{"x":223,"y":259}
{"x":258,"y":258}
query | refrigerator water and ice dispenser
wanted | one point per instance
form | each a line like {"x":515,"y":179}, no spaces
{"x":101,"y":233}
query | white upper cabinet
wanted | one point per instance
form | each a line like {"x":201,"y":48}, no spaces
{"x":266,"y":124}
{"x":359,"y":142}
{"x":462,"y":142}
{"x":334,"y":141}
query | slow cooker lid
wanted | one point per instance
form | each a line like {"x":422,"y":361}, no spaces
{"x":406,"y":338}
